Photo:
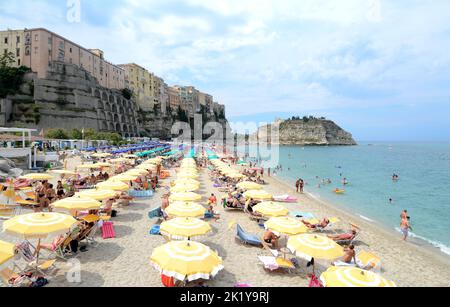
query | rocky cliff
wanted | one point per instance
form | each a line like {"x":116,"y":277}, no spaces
{"x":317,"y":132}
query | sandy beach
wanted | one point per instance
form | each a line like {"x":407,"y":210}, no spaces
{"x":124,"y":261}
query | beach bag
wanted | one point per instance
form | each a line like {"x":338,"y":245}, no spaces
{"x":113,"y":213}
{"x":108,"y":230}
{"x":156,"y":230}
{"x":39,"y":283}
{"x":167,"y":281}
{"x":315,"y":283}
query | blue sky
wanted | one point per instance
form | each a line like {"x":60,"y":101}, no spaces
{"x":379,"y":68}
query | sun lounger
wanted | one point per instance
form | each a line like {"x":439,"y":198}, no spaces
{"x":257,"y":218}
{"x":247,"y":238}
{"x":156,"y":213}
{"x":348,"y":241}
{"x":273,"y":263}
{"x":25,"y":251}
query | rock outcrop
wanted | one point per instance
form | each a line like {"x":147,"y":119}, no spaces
{"x":310,"y":132}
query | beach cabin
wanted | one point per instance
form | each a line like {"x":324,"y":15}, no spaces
{"x":16,"y":143}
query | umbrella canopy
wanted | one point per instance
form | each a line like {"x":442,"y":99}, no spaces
{"x":286,"y":225}
{"x":185,"y":196}
{"x":113,"y":185}
{"x":187,"y":176}
{"x":64,"y":172}
{"x":187,"y":181}
{"x":101,"y":155}
{"x":248,"y":185}
{"x":97,"y":194}
{"x":271,"y":209}
{"x":103,"y":164}
{"x":181,"y":188}
{"x":315,"y":246}
{"x":186,"y":260}
{"x":186,"y":209}
{"x":137,"y":172}
{"x":75,"y":203}
{"x":123,"y":178}
{"x":6,"y":251}
{"x":39,"y":225}
{"x":185,"y":228}
{"x":258,"y":195}
{"x":37,"y":176}
{"x":353,"y":277}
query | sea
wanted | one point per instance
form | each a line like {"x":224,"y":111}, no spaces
{"x":423,"y":187}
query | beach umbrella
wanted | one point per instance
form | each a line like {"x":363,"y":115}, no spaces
{"x":101,"y":155}
{"x":186,"y":209}
{"x":103,"y":164}
{"x":258,"y":195}
{"x":146,"y":167}
{"x":183,"y":228}
{"x":271,"y":209}
{"x":185,"y":196}
{"x":187,"y":176}
{"x":248,"y":185}
{"x":314,"y":246}
{"x":124,"y":178}
{"x":187,"y":181}
{"x":39,"y":225}
{"x":97,"y":194}
{"x":180,"y":188}
{"x":88,"y":166}
{"x":286,"y":225}
{"x":64,"y":172}
{"x":235,"y":175}
{"x":37,"y":176}
{"x":136,"y":172}
{"x":353,"y":277}
{"x":6,"y":251}
{"x":113,"y":185}
{"x":77,"y":204}
{"x":186,"y":261}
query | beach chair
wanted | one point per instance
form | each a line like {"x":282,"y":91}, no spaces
{"x":349,"y":241}
{"x":276,"y":263}
{"x":247,"y":238}
{"x":256,"y":218}
{"x":368,"y":261}
{"x":7,"y":212}
{"x":25,"y":251}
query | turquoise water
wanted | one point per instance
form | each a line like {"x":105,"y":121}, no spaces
{"x":423,"y":188}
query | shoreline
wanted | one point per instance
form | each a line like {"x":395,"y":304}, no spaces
{"x":413,"y":242}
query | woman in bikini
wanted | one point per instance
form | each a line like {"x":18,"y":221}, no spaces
{"x":60,"y":190}
{"x":51,"y":196}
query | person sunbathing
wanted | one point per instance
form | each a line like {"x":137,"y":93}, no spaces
{"x":51,"y":247}
{"x":344,"y":237}
{"x":270,"y":238}
{"x":350,"y":255}
{"x":323,"y":224}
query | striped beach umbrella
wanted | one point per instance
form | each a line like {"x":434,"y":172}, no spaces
{"x":248,"y":185}
{"x":258,"y":195}
{"x":124,"y":178}
{"x":37,"y":176}
{"x":353,"y":277}
{"x":186,"y":261}
{"x":185,"y":209}
{"x":271,"y":209}
{"x":314,"y":246}
{"x":39,"y":225}
{"x":75,"y":203}
{"x":286,"y":225}
{"x":187,"y":181}
{"x":185,"y":228}
{"x":136,"y":172}
{"x":113,"y":185}
{"x":185,"y":196}
{"x":147,"y":167}
{"x":97,"y":194}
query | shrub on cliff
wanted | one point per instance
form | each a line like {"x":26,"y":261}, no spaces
{"x":11,"y":78}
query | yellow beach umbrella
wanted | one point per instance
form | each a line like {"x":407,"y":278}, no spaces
{"x":75,"y":203}
{"x":37,"y":176}
{"x":286,"y":225}
{"x":314,"y":246}
{"x":103,"y":164}
{"x":6,"y":251}
{"x":186,"y":181}
{"x":97,"y":194}
{"x":39,"y":225}
{"x":181,"y":188}
{"x":271,"y":209}
{"x":146,"y":167}
{"x":368,"y":259}
{"x":123,"y":178}
{"x":353,"y":277}
{"x":186,"y":261}
{"x":136,"y":172}
{"x":235,"y":176}
{"x":64,"y":172}
{"x":248,"y":185}
{"x":185,"y":196}
{"x":185,"y":228}
{"x":186,"y":209}
{"x":113,"y":185}
{"x":102,"y":155}
{"x":258,"y":195}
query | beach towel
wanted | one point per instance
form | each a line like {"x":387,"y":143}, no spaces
{"x":303,"y":215}
{"x":269,"y":263}
{"x":156,"y":230}
{"x":108,"y":230}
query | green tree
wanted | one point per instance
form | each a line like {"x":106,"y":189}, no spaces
{"x":57,"y":134}
{"x":76,"y":134}
{"x":11,"y":78}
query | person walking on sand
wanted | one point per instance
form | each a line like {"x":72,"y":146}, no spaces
{"x":302,"y":185}
{"x":405,"y":227}
{"x":297,"y":185}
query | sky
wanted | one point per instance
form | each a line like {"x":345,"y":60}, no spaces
{"x":379,"y":68}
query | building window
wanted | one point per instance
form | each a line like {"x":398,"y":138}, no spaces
{"x":36,"y":37}
{"x":18,"y":52}
{"x":18,"y":39}
{"x":6,"y":40}
{"x":27,"y":50}
{"x":50,"y":41}
{"x":70,"y":50}
{"x":18,"y":62}
{"x":36,"y":50}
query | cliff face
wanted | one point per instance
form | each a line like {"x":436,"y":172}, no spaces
{"x":299,"y":132}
